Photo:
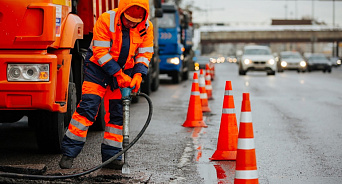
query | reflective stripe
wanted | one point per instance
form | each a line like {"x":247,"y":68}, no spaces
{"x":201,"y":81}
{"x":246,"y":143}
{"x":195,"y":81}
{"x":78,"y":125}
{"x":112,"y":143}
{"x":228,"y":92}
{"x":248,"y":174}
{"x":142,"y":59}
{"x":208,"y":87}
{"x":228,"y":111}
{"x":147,"y":24}
{"x":195,"y":93}
{"x":203,"y":96}
{"x":246,"y":117}
{"x":104,"y":58}
{"x":113,"y":130}
{"x":111,"y":23}
{"x":207,"y":77}
{"x":74,"y":137}
{"x":91,"y":45}
{"x":145,"y":49}
{"x":101,"y":43}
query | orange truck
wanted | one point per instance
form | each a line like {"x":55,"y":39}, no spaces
{"x":42,"y":49}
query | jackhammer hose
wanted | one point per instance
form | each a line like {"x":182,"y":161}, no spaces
{"x":51,"y":177}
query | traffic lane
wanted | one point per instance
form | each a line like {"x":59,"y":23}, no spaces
{"x":296,"y":126}
{"x":279,"y":109}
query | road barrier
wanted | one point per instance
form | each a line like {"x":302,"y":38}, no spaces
{"x":228,"y":135}
{"x":194,"y":116}
{"x":246,"y":168}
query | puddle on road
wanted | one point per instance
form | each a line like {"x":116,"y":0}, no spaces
{"x":211,"y":171}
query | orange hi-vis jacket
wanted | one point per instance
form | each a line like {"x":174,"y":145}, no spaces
{"x":107,"y":39}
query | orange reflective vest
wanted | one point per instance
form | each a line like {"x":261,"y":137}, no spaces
{"x":107,"y":39}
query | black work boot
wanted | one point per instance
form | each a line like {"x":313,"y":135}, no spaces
{"x":66,"y":162}
{"x":116,"y":165}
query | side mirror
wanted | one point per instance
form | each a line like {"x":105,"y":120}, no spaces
{"x":158,"y":12}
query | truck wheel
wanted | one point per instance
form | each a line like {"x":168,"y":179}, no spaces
{"x":176,"y":77}
{"x":155,"y":81}
{"x":100,"y":124}
{"x":50,"y":130}
{"x":72,"y":98}
{"x":146,"y":85}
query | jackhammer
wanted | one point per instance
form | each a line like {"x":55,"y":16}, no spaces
{"x":126,"y":100}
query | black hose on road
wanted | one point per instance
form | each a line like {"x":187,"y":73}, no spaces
{"x":51,"y":177}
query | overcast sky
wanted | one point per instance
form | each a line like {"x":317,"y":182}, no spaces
{"x":261,"y":12}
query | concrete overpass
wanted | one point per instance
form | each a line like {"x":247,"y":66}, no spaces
{"x":269,"y":34}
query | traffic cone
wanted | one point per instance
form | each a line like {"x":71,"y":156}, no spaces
{"x":208,"y":87}
{"x":203,"y":92}
{"x":194,"y":116}
{"x":208,"y":69}
{"x":228,"y":135}
{"x":246,"y":168}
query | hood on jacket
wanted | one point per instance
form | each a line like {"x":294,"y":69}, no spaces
{"x":124,"y":4}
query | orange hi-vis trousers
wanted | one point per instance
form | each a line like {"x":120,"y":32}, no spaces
{"x":97,"y":85}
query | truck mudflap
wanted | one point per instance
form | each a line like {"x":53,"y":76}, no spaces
{"x":29,"y":95}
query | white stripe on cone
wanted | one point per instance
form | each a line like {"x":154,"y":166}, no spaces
{"x":248,"y":174}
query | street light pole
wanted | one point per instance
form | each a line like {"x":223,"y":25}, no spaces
{"x":333,"y":13}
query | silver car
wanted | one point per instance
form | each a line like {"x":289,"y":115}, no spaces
{"x":257,"y":58}
{"x":291,"y":60}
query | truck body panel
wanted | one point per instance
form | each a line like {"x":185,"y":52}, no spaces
{"x":174,"y":42}
{"x":42,"y":49}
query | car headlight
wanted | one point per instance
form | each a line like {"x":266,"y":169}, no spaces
{"x":302,"y":64}
{"x":28,"y":72}
{"x":338,"y":62}
{"x":247,"y":61}
{"x":271,"y":61}
{"x":174,"y":60}
{"x":283,"y":64}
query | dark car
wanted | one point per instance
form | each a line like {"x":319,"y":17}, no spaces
{"x":318,"y":62}
{"x":201,"y":61}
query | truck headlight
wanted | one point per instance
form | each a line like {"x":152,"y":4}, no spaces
{"x":174,"y":60}
{"x":196,"y":66}
{"x":283,"y":64}
{"x":302,"y":63}
{"x":247,"y":61}
{"x":28,"y":72}
{"x":271,"y":61}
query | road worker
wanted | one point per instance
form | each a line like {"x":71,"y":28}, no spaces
{"x":118,"y":58}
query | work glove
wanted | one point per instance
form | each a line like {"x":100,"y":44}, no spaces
{"x":136,"y":81}
{"x":123,"y":80}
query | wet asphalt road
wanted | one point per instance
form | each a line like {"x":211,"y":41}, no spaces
{"x":297,"y":125}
